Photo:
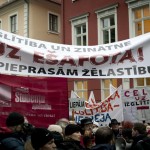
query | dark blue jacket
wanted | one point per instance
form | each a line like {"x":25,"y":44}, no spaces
{"x":14,"y":141}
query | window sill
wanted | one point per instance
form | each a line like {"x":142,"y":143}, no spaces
{"x":52,"y":32}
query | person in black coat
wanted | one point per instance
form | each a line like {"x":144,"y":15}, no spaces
{"x":140,"y":139}
{"x":104,"y":139}
{"x":15,"y":140}
{"x":72,"y":138}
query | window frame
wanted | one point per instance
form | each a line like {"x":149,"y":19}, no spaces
{"x":132,"y":5}
{"x":58,"y":22}
{"x":103,"y":89}
{"x":104,"y":13}
{"x":77,"y":21}
{"x":16,"y":24}
{"x":82,"y":90}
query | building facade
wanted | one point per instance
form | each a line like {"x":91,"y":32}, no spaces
{"x":37,"y":19}
{"x":94,"y":22}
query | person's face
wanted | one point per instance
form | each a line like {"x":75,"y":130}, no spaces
{"x":88,"y":126}
{"x":76,"y":136}
{"x":115,"y":127}
{"x":134,"y":133}
{"x":49,"y":146}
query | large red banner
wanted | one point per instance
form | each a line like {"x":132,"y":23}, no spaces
{"x":42,"y":100}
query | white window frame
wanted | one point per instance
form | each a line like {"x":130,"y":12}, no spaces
{"x":132,"y":4}
{"x":77,"y":21}
{"x":102,"y":13}
{"x":16,"y":22}
{"x":58,"y":21}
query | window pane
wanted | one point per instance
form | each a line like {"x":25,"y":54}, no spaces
{"x":114,"y":82}
{"x":138,"y":28}
{"x":106,"y":94}
{"x":147,"y":81}
{"x":78,"y":40}
{"x":105,"y":22}
{"x":53,"y":22}
{"x":78,"y":30}
{"x":112,"y":21}
{"x":85,"y":95}
{"x":140,"y":82}
{"x":84,"y":28}
{"x":85,"y":84}
{"x":84,"y":40}
{"x":106,"y":36}
{"x":79,"y":85}
{"x":106,"y":83}
{"x":146,"y":11}
{"x":112,"y":32}
{"x":79,"y":94}
{"x":146,"y":26}
{"x":137,"y":13}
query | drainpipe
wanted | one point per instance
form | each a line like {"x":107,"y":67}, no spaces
{"x":27,"y":30}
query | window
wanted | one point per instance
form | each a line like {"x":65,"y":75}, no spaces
{"x":80,"y":87}
{"x":141,"y":20}
{"x":105,"y":87}
{"x":139,"y":23}
{"x":80,"y":35}
{"x":13,"y":23}
{"x":107,"y":25}
{"x":79,"y":30}
{"x":53,"y":22}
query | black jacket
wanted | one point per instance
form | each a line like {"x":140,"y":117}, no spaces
{"x":70,"y":144}
{"x":141,"y":142}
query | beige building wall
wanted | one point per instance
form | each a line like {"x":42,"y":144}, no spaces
{"x":9,"y":10}
{"x":32,"y":18}
{"x":38,"y":21}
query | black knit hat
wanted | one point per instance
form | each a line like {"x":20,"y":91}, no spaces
{"x":86,"y":121}
{"x":39,"y":137}
{"x":14,"y":119}
{"x":72,"y":128}
{"x":113,"y":122}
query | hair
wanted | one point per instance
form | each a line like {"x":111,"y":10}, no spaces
{"x":104,"y":135}
{"x":140,"y":127}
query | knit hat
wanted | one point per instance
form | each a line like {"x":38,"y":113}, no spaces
{"x":86,"y":121}
{"x":39,"y":137}
{"x":54,"y":127}
{"x":72,"y":128}
{"x":113,"y":122}
{"x":14,"y":119}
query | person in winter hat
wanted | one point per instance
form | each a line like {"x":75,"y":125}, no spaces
{"x":16,"y":139}
{"x":42,"y":139}
{"x":72,"y":138}
{"x":56,"y":128}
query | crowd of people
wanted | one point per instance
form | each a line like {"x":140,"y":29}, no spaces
{"x":69,"y":135}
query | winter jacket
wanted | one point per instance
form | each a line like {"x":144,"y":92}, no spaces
{"x":70,"y":144}
{"x":13,"y":141}
{"x":141,"y":143}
